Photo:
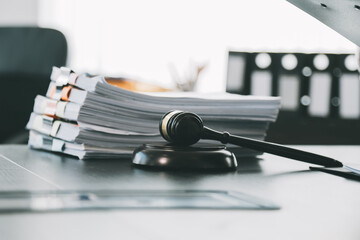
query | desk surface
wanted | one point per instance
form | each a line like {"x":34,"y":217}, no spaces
{"x":314,"y":205}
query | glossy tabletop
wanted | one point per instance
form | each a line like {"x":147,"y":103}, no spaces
{"x":314,"y":205}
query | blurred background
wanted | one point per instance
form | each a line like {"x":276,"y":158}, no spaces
{"x":160,"y":40}
{"x":170,"y":43}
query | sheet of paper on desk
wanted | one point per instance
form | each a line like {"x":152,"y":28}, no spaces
{"x":85,"y":112}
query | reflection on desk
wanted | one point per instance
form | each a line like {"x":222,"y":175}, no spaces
{"x":314,"y":205}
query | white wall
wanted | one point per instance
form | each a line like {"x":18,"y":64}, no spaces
{"x":18,"y":12}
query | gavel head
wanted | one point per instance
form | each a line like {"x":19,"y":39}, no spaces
{"x":181,"y":128}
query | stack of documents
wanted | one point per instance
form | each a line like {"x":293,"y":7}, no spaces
{"x":94,"y":117}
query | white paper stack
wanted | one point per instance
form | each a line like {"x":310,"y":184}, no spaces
{"x":87,"y":117}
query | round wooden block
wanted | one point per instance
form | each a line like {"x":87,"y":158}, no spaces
{"x":200,"y":157}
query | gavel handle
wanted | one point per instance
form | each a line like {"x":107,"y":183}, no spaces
{"x":272,"y":148}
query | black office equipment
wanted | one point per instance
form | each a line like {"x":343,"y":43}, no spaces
{"x":297,"y":122}
{"x":320,"y":93}
{"x":27,"y":55}
{"x":184,"y":128}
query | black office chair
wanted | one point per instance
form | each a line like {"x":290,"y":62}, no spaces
{"x":27,"y":55}
{"x":320,"y":94}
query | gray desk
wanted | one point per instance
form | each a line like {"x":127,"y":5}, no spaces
{"x":314,"y":205}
